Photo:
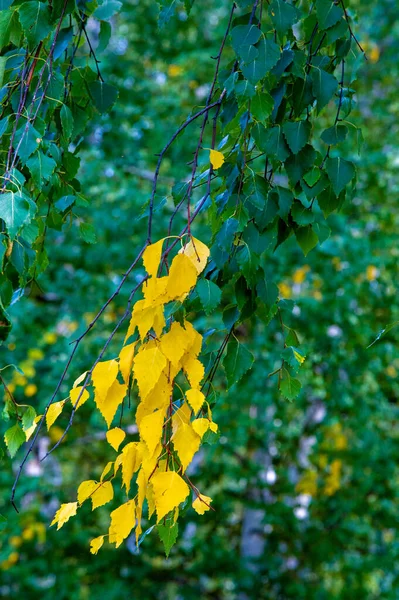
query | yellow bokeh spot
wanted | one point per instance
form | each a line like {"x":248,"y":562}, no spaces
{"x":307,"y":483}
{"x":35,"y":354}
{"x":317,"y":295}
{"x":391,"y":371}
{"x":11,"y":387}
{"x":15,"y":541}
{"x":174,"y":70}
{"x":28,"y":533}
{"x":300,"y":274}
{"x":30,"y":390}
{"x":55,"y":433}
{"x":50,"y":337}
{"x":372,"y":273}
{"x":11,"y":346}
{"x":285,"y":290}
{"x":333,"y":480}
{"x":374,"y":54}
{"x":20,"y":379}
{"x":13,"y":558}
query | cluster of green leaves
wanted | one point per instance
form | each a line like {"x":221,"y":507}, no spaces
{"x":51,"y":88}
{"x":287,"y":99}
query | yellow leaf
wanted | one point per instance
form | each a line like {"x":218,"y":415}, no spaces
{"x":130,"y":461}
{"x":181,"y":416}
{"x":30,"y":430}
{"x":145,"y":318}
{"x":103,"y":494}
{"x":122,"y":522}
{"x":154,"y":291}
{"x":195,"y":339}
{"x":186,"y":443}
{"x":74,"y":394}
{"x":126,"y":361}
{"x":182,"y":277}
{"x":108,"y":405}
{"x":86,"y":489}
{"x":106,"y":470}
{"x":141,"y":492}
{"x":158,"y":398}
{"x":197,"y":252}
{"x":103,"y":376}
{"x":213,"y":426}
{"x":148,"y":366}
{"x":216,"y":158}
{"x":174,"y":343}
{"x":54,"y":412}
{"x":64,"y":513}
{"x":194,"y":370}
{"x":201,"y":504}
{"x":99,"y":492}
{"x":200,"y":426}
{"x":115,"y":437}
{"x":195,"y":399}
{"x":96,"y":544}
{"x":152,"y":257}
{"x":170,"y":490}
{"x":79,"y":379}
{"x":151,"y":429}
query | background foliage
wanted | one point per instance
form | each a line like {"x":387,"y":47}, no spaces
{"x":305,"y":492}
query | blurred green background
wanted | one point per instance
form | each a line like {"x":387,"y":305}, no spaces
{"x":306,"y":493}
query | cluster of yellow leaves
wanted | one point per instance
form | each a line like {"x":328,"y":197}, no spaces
{"x":170,"y":425}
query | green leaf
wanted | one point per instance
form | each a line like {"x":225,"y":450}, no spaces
{"x":268,"y":55}
{"x":104,"y":95}
{"x":297,"y":134}
{"x":340,"y":173}
{"x":168,"y":534}
{"x":87,"y":233}
{"x":262,"y":106}
{"x":306,"y":238}
{"x":14,"y":438}
{"x":41,"y":168}
{"x":5,"y":323}
{"x":209,"y":294}
{"x":384,"y":332}
{"x":35,"y":21}
{"x":293,"y":357}
{"x":267,"y":291}
{"x":298,"y":164}
{"x":16,"y":210}
{"x":28,"y":417}
{"x":289,"y":386}
{"x":324,"y":86}
{"x":66,"y":121}
{"x":107,"y":9}
{"x":283,"y":15}
{"x":328,"y":201}
{"x":6,"y":17}
{"x":243,"y":37}
{"x":104,"y":36}
{"x":259,"y":194}
{"x":167,"y":11}
{"x":3,"y":60}
{"x":274,"y":143}
{"x":26,"y":141}
{"x":237,"y":362}
{"x":328,"y":13}
{"x":334,"y":135}
{"x":301,"y":214}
